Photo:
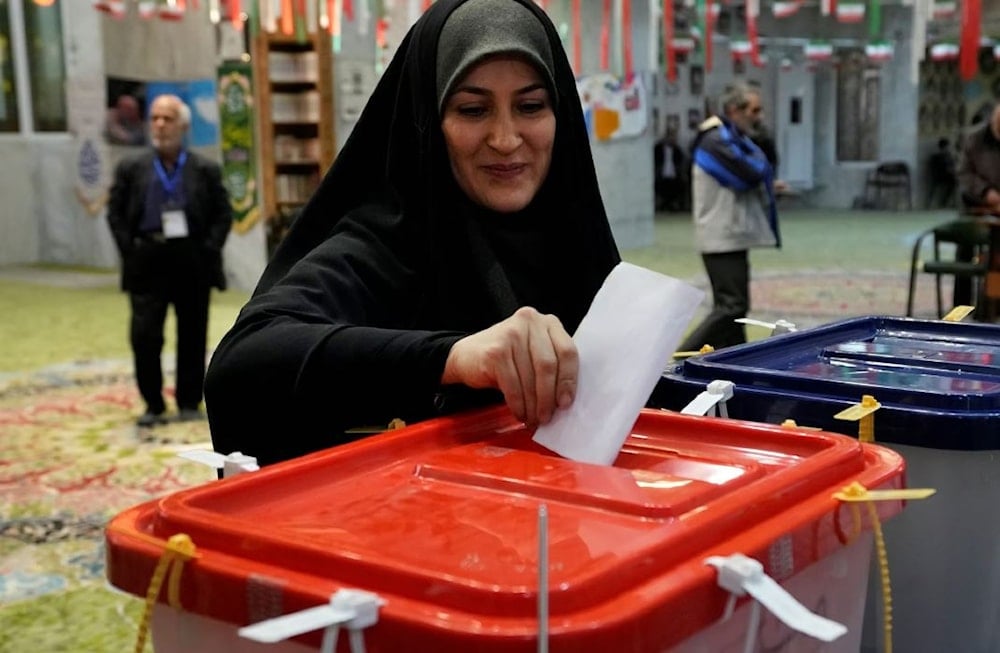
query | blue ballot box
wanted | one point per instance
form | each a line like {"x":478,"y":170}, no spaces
{"x":938,"y":384}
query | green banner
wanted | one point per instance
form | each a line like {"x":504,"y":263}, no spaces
{"x":239,"y":155}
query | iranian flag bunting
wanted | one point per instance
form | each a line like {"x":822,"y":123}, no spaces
{"x":850,"y":12}
{"x":879,"y":51}
{"x":944,"y":52}
{"x":785,"y":8}
{"x":819,"y":50}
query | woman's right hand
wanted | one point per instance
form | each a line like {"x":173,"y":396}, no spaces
{"x":529,"y":357}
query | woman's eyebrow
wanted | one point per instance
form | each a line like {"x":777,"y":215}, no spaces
{"x":479,"y":90}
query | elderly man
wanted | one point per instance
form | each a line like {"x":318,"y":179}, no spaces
{"x":979,"y":185}
{"x":979,"y":173}
{"x":734,"y":209}
{"x":170,"y":215}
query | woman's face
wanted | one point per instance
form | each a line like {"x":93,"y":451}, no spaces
{"x":499,"y":127}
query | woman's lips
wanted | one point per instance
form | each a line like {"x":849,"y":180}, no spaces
{"x":505,"y":171}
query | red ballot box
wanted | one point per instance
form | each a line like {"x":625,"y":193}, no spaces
{"x":440,"y":521}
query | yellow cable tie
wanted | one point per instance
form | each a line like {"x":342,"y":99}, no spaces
{"x":857,"y":492}
{"x":179,"y":549}
{"x":862,"y":413}
{"x":853,"y":494}
{"x":958,"y":313}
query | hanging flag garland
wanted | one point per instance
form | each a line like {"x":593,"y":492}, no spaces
{"x":752,"y":12}
{"x":875,"y":20}
{"x":943,"y":9}
{"x":785,"y":8}
{"x":711,"y":11}
{"x":819,"y":50}
{"x":605,"y":34}
{"x":171,"y":9}
{"x":236,"y":13}
{"x":114,"y":8}
{"x":945,"y":51}
{"x":627,"y":37}
{"x":669,"y":50}
{"x":850,"y":12}
{"x":968,"y":55}
{"x":683,"y":44}
{"x":739,"y":48}
{"x":879,"y":51}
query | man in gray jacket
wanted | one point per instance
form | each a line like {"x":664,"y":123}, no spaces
{"x":734,"y":210}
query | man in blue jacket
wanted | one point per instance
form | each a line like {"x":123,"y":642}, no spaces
{"x":732,"y":190}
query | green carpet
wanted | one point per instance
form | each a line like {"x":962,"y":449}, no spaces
{"x":71,"y":457}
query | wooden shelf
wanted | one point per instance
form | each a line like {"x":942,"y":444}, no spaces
{"x":300,"y":73}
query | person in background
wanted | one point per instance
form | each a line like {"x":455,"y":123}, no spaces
{"x":765,"y":141}
{"x":450,"y":251}
{"x":734,"y":210}
{"x":942,"y":177}
{"x":170,"y":215}
{"x":979,"y":187}
{"x":671,"y":174}
{"x":979,"y":172}
{"x":125,"y":125}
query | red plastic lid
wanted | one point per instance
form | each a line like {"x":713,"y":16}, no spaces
{"x":441,"y":520}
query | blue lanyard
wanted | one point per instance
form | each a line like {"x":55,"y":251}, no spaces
{"x":170,"y":182}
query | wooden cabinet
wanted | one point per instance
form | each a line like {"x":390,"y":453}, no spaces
{"x":294,"y":91}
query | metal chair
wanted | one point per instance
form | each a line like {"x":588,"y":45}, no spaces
{"x":888,"y":186}
{"x":971,"y":237}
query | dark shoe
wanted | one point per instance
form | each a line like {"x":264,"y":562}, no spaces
{"x":150,"y":419}
{"x":190,"y":415}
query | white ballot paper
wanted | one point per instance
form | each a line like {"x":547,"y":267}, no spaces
{"x":624,"y":342}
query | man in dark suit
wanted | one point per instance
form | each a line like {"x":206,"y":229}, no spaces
{"x":170,"y":215}
{"x":670,"y":173}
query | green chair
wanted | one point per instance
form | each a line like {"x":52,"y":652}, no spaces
{"x":971,"y":238}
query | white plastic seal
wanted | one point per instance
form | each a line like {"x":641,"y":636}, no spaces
{"x":713,"y":398}
{"x":351,"y":608}
{"x":743,"y":575}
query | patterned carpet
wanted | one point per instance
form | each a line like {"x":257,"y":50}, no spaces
{"x":71,"y":457}
{"x":812,"y":297}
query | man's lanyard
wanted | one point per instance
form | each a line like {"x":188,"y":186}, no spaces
{"x":171,"y":181}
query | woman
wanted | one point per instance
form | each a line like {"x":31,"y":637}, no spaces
{"x":450,"y":250}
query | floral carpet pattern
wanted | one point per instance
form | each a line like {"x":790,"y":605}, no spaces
{"x":71,"y":457}
{"x":813,"y":297}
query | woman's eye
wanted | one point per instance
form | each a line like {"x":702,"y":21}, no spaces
{"x":471,"y":111}
{"x":533,"y":106}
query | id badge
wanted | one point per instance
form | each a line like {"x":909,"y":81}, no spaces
{"x":175,"y":224}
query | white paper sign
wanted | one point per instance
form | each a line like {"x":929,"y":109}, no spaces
{"x":624,"y":342}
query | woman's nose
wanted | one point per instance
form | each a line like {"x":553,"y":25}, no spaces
{"x":504,"y":134}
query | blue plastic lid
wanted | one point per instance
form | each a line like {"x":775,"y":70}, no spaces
{"x":932,"y":369}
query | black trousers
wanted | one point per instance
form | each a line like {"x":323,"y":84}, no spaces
{"x":671,"y":194}
{"x":149,"y":314}
{"x":729,"y":274}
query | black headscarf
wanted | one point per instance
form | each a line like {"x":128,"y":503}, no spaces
{"x":390,"y":263}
